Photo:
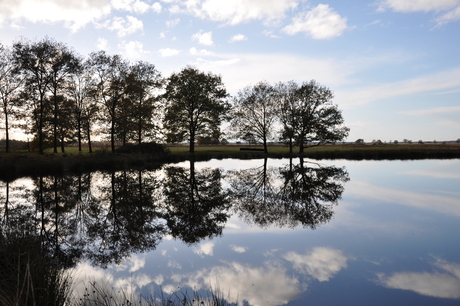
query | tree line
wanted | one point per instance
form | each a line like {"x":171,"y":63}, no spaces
{"x":52,"y":92}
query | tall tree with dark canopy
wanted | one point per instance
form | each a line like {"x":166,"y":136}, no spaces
{"x":312,"y":117}
{"x":195,"y":106}
{"x":35,"y":59}
{"x":84,"y":107}
{"x":109,"y":74}
{"x":11,"y":80}
{"x":143,"y":84}
{"x":195,"y":204}
{"x":287,"y":103}
{"x":255,"y":112}
{"x":64,"y":64}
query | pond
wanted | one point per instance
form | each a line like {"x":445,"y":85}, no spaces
{"x":261,"y":232}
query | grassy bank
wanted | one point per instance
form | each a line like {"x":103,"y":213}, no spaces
{"x":20,"y":163}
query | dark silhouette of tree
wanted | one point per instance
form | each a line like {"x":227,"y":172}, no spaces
{"x":35,"y":59}
{"x":255,"y":112}
{"x":84,"y":106}
{"x":141,"y":102}
{"x":309,"y":116}
{"x":195,"y":106}
{"x":64,"y":64}
{"x":254,"y":195}
{"x":109,"y":76}
{"x":309,"y":193}
{"x":125,"y":219}
{"x":195,"y":204}
{"x":286,"y":96}
{"x":306,"y":196}
{"x":11,"y":80}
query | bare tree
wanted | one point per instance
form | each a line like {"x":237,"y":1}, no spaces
{"x":255,"y":112}
{"x":11,"y":81}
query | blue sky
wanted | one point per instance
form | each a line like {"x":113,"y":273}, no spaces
{"x":394,"y":65}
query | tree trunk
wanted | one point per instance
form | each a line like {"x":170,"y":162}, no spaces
{"x":40,"y":129}
{"x":89,"y":139}
{"x":192,"y":142}
{"x":55,"y":120}
{"x":62,"y":141}
{"x":265,"y":145}
{"x":112,"y":135}
{"x":139,"y":132}
{"x":301,"y":147}
{"x":7,"y":134}
{"x":79,"y":133}
{"x":301,"y":138}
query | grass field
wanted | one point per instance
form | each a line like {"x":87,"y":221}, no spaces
{"x":234,"y":150}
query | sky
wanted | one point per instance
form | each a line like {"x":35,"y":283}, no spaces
{"x":393,"y":65}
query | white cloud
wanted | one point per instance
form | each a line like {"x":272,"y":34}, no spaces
{"x":444,"y":204}
{"x":172,"y":23}
{"x":156,"y":7}
{"x":203,"y":52}
{"x":433,"y":111}
{"x":126,"y":26}
{"x":256,"y":285}
{"x":133,"y":6}
{"x":321,"y":263}
{"x":136,"y":263}
{"x":205,"y":249}
{"x":174,"y":264}
{"x":167,"y":52}
{"x":102,"y":44}
{"x":270,"y":34}
{"x":238,"y":249}
{"x":443,"y":284}
{"x":451,"y":16}
{"x":237,"y":11}
{"x":74,"y":14}
{"x":275,"y":68}
{"x":238,"y":37}
{"x":417,"y":5}
{"x":439,"y":81}
{"x":203,"y":38}
{"x":133,"y":50}
{"x":159,"y":279}
{"x":85,"y":273}
{"x":410,"y":6}
{"x":320,"y":23}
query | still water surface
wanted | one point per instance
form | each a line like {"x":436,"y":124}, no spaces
{"x":264,"y":232}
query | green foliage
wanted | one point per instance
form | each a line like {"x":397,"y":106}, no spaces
{"x":308,"y":115}
{"x":195,"y":106}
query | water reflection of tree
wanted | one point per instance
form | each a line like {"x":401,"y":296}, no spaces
{"x":126,"y":218}
{"x":195,"y":203}
{"x":293,"y":195}
{"x":75,"y":219}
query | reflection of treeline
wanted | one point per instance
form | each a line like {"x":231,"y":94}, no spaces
{"x":104,"y":217}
